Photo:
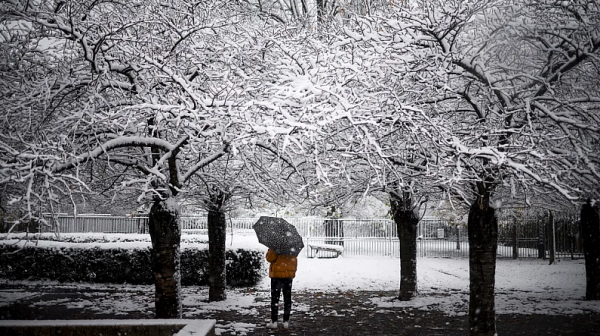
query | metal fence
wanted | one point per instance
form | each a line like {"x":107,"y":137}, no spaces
{"x":529,"y":237}
{"x":517,"y":237}
{"x":87,"y":223}
{"x":536,"y":237}
{"x":357,"y":236}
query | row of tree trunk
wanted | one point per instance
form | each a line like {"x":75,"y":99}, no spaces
{"x":165,"y":232}
{"x":483,"y":242}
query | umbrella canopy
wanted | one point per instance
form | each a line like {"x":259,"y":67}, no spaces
{"x":278,"y":235}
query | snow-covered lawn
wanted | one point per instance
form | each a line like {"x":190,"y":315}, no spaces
{"x":522,"y":286}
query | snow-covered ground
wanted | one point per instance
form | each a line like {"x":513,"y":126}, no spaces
{"x":522,"y":286}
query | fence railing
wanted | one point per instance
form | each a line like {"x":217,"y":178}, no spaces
{"x":88,"y":223}
{"x":517,"y":237}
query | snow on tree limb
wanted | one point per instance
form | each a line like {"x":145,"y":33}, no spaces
{"x":114,"y":144}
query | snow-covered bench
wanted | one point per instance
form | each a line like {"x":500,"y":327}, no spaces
{"x":335,"y":249}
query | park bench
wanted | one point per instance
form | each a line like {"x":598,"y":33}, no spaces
{"x":336,"y":250}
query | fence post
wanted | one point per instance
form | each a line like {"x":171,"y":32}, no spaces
{"x":457,"y":237}
{"x":388,"y":232}
{"x":515,"y":250}
{"x":571,"y":222}
{"x":541,"y":245}
{"x":551,"y":240}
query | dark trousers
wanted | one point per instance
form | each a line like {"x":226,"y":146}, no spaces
{"x":277,"y":285}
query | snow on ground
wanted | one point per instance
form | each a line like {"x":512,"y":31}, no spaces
{"x":522,"y":286}
{"x":11,"y":295}
{"x":239,"y":328}
{"x":528,"y":286}
{"x":525,"y":286}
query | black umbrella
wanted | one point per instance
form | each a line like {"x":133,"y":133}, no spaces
{"x":278,"y":235}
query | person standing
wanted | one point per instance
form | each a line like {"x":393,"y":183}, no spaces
{"x":282,"y":272}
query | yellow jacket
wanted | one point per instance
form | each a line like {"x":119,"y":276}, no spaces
{"x":282,"y":266}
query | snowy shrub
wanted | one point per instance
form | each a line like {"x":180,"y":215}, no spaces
{"x":118,"y":265}
{"x":94,"y":237}
{"x":244,"y":267}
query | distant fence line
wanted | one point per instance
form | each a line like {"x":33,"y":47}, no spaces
{"x":517,"y":237}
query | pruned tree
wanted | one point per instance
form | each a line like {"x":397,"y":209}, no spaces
{"x":367,"y":143}
{"x":121,"y":84}
{"x":498,"y":80}
{"x":255,"y":173}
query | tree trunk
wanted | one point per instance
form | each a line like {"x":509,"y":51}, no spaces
{"x":217,"y":232}
{"x":165,"y":232}
{"x":590,"y":232}
{"x":406,"y":221}
{"x":320,"y":10}
{"x":483,"y":244}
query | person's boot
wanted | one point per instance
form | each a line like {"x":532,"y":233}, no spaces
{"x":272,"y":325}
{"x":286,"y":325}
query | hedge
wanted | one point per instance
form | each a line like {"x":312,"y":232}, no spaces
{"x":117,"y":265}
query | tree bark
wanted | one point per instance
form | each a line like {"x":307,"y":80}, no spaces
{"x":320,"y":10}
{"x":483,"y":244}
{"x":165,"y":232}
{"x":590,"y":232}
{"x":217,"y":232}
{"x":406,"y":221}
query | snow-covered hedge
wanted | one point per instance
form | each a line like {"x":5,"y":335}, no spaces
{"x":121,"y":265}
{"x":97,"y":237}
